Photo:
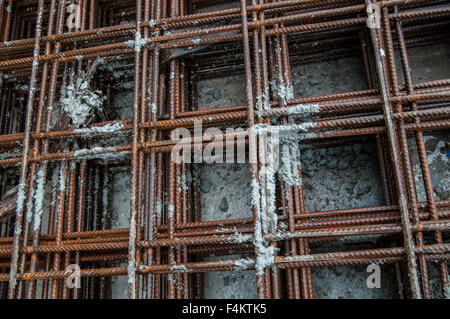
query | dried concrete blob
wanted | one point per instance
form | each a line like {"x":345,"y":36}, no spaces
{"x":103,"y":153}
{"x":138,"y":43}
{"x":110,"y":128}
{"x":39,"y":198}
{"x":80,"y":101}
{"x":282,"y":89}
{"x":244,"y":263}
{"x":263,"y":102}
{"x":289,"y":159}
{"x":239,"y":238}
{"x":180,"y":269}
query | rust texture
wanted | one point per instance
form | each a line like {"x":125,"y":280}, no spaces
{"x":169,"y":47}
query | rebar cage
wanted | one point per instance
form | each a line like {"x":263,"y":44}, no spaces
{"x":57,"y":162}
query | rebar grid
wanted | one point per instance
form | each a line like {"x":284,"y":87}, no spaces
{"x":166,"y":243}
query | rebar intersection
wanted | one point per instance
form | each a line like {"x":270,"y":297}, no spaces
{"x":170,"y":48}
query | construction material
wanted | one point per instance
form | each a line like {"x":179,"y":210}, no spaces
{"x":86,"y":100}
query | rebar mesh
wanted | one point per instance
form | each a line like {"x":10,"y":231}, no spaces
{"x":57,"y":160}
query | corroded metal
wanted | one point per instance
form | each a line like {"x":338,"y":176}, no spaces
{"x":169,"y":47}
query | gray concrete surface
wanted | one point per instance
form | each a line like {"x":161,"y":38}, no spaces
{"x":334,"y":178}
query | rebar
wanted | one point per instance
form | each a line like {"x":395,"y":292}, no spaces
{"x":60,"y":172}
